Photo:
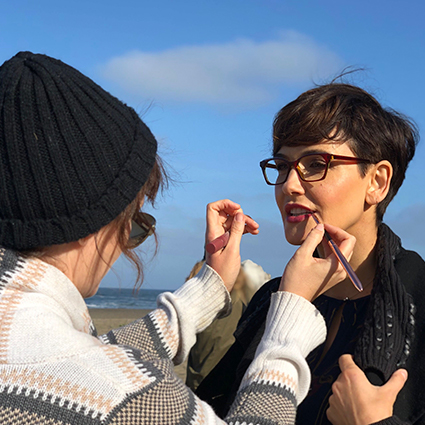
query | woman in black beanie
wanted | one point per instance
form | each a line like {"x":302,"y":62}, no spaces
{"x":339,"y":154}
{"x":76,"y":166}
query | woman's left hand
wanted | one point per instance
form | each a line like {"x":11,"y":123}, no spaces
{"x":222,"y":216}
{"x":355,"y":401}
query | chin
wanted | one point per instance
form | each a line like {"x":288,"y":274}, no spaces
{"x":295,"y":242}
{"x":295,"y":236}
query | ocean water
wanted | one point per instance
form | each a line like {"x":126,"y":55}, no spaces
{"x":124,"y":298}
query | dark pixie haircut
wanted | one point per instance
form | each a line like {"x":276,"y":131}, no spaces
{"x":346,"y":113}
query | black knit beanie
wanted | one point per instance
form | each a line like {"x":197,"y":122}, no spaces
{"x":72,"y":156}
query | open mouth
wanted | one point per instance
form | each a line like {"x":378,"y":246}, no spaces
{"x":295,"y":212}
{"x":298,"y":214}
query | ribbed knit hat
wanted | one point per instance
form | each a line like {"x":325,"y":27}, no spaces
{"x":72,"y":156}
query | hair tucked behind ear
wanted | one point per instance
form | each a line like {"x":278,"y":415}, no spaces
{"x":158,"y":180}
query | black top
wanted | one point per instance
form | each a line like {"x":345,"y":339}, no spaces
{"x":325,"y":371}
{"x":383,"y":331}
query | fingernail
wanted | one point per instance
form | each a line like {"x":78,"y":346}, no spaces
{"x":404,"y":373}
{"x":239,"y":217}
{"x":320,"y":227}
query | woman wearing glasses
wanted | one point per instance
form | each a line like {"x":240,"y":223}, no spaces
{"x":340,"y":157}
{"x":76,"y":166}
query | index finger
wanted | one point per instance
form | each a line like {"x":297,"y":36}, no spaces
{"x":344,"y":240}
{"x":251,"y":226}
{"x":224,"y":205}
{"x":337,"y":234}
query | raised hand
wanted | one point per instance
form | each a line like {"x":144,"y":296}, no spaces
{"x":223,"y":216}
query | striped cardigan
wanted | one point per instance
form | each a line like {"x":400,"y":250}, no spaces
{"x":55,"y":370}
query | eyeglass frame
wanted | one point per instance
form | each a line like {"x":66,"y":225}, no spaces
{"x":146,"y":223}
{"x":328,"y":157}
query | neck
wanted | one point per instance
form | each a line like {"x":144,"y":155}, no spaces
{"x":77,"y":262}
{"x":363,"y":262}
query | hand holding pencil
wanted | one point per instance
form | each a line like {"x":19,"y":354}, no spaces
{"x":340,"y":256}
{"x":310,"y":276}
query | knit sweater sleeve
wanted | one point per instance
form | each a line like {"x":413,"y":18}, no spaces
{"x":276,"y":381}
{"x":170,"y":330}
{"x":394,"y":420}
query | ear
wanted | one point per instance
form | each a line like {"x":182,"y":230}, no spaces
{"x":84,"y":241}
{"x":380,"y":178}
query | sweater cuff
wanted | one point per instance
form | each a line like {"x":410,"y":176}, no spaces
{"x":294,"y":327}
{"x":301,"y":320}
{"x":192,"y":308}
{"x":204,"y":298}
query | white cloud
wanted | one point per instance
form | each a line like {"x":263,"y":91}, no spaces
{"x":238,"y":72}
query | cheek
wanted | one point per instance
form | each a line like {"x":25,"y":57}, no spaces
{"x":278,"y":196}
{"x":111,"y":251}
{"x":116,"y":252}
{"x":341,"y":204}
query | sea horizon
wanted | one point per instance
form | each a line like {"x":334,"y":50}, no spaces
{"x":124,"y":298}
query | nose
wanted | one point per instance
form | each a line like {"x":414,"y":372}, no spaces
{"x":293,"y":183}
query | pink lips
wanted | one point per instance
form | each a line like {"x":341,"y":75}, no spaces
{"x":297,"y":213}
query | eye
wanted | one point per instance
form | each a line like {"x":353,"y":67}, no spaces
{"x":314,"y":163}
{"x":282,"y":166}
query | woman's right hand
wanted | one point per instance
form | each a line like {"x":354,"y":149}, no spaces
{"x":222,"y":216}
{"x":310,"y":276}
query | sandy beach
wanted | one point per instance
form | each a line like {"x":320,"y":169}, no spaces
{"x":106,"y":319}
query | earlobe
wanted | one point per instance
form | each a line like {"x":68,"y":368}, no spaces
{"x":84,"y":241}
{"x":380,"y":180}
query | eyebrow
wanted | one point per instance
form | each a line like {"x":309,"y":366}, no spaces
{"x":308,"y":152}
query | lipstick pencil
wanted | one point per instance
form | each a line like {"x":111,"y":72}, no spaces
{"x":218,"y":243}
{"x":350,"y":272}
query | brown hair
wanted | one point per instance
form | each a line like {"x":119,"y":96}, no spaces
{"x":346,"y":113}
{"x":157,"y":180}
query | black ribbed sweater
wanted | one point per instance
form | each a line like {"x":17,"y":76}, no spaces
{"x":393,"y":333}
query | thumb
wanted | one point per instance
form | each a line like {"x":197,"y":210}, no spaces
{"x":237,"y":229}
{"x":313,"y":239}
{"x":396,"y":382}
{"x":346,"y":361}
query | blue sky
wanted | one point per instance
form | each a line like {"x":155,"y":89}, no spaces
{"x":208,"y":77}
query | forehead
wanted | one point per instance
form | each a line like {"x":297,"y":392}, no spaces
{"x":292,"y":153}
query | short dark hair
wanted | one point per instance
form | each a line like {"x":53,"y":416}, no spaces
{"x":347,"y":113}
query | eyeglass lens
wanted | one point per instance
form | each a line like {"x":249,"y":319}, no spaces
{"x":141,"y":230}
{"x":310,"y":168}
